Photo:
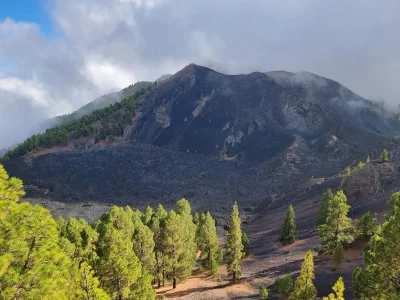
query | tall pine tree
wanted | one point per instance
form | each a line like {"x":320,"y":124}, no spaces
{"x":157,"y":225}
{"x":234,"y":245}
{"x":119,"y":267}
{"x":174,"y":248}
{"x":288,"y":231}
{"x":183,"y":209}
{"x":208,"y":241}
{"x":303,"y":286}
{"x":143,"y":245}
{"x":338,"y":228}
{"x":324,"y":207}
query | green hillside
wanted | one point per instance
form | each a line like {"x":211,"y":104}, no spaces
{"x":102,"y":123}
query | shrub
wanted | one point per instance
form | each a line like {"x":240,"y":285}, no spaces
{"x":359,"y":166}
{"x":333,"y":268}
{"x":277,"y":285}
{"x":384,"y":156}
{"x":224,"y":150}
{"x":284,"y":286}
{"x":264,"y":293}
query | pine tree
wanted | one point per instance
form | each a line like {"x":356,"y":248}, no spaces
{"x":288,"y":231}
{"x":347,"y":172}
{"x":143,"y":245}
{"x":10,"y":188}
{"x":119,"y":267}
{"x":284,"y":286}
{"x":83,"y":237}
{"x":366,"y":226}
{"x":157,"y":225}
{"x":361,"y":287}
{"x":32,"y":264}
{"x":234,"y":245}
{"x":207,"y":241}
{"x":174,"y":248}
{"x":393,"y":201}
{"x":304,"y":287}
{"x":246,"y":245}
{"x":88,"y":285}
{"x":322,"y":214}
{"x":182,"y":208}
{"x":384,"y":156}
{"x":338,"y":254}
{"x":338,"y":288}
{"x":381,"y":279}
{"x":142,"y":289}
{"x":148,"y":213}
{"x":338,"y":228}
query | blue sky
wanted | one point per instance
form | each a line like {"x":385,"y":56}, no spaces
{"x":27,"y":11}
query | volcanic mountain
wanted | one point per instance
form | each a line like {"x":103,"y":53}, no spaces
{"x":214,"y":138}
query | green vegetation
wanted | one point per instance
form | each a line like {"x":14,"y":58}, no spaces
{"x":284,"y":286}
{"x":101,"y":123}
{"x":11,"y":189}
{"x":366,"y":226}
{"x":288,"y":231}
{"x":368,"y":159}
{"x":246,"y":245}
{"x":224,"y":150}
{"x":304,"y":287}
{"x":359,"y":166}
{"x":338,"y":288}
{"x":338,"y":227}
{"x":234,"y":249}
{"x":347,"y":172}
{"x":394,"y":201}
{"x":338,"y":254}
{"x":322,"y":214}
{"x":124,"y":253}
{"x":207,"y":243}
{"x":384,"y":156}
{"x":381,"y":278}
{"x":117,"y":258}
{"x":264,"y":293}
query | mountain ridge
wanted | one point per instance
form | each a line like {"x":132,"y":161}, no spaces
{"x":212,"y":138}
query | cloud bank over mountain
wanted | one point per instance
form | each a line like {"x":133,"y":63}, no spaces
{"x":98,"y":46}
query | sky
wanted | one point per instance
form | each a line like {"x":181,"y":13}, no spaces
{"x":57,"y":55}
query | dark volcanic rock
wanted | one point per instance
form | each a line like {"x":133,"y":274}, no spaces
{"x":278,"y":131}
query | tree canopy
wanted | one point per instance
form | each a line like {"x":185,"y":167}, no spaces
{"x":381,"y":278}
{"x":303,"y":286}
{"x":338,"y":227}
{"x":234,"y":250}
{"x":288,"y":231}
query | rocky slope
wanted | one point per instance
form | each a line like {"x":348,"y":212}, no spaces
{"x":214,"y":138}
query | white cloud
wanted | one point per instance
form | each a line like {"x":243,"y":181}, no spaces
{"x":105,"y":75}
{"x":102,"y":45}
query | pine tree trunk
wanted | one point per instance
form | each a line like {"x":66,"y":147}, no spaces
{"x":159,"y":282}
{"x":174,"y":283}
{"x":234,"y":276}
